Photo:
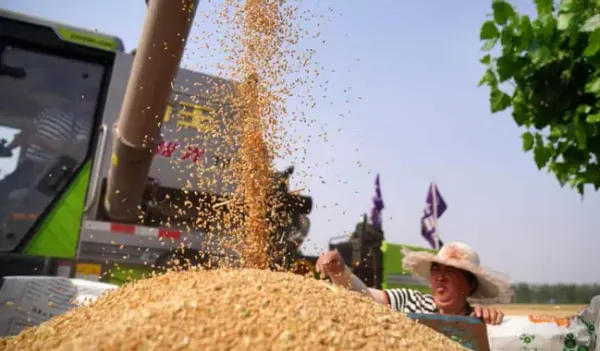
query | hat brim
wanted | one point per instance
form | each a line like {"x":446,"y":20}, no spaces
{"x":491,"y":287}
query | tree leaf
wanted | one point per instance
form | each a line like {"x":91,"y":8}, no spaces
{"x":580,"y":134}
{"x":486,"y":59}
{"x":525,"y":31}
{"x":593,"y":132}
{"x":593,"y":86}
{"x":489,"y":31}
{"x":541,"y":55}
{"x":593,"y":44}
{"x":539,"y":140}
{"x":508,"y":39}
{"x":499,"y":101}
{"x":557,"y":131}
{"x":544,"y":7}
{"x":591,"y":24}
{"x":564,"y":20}
{"x":503,"y":11}
{"x":568,"y":5}
{"x":594,"y":118}
{"x":561,"y":170}
{"x":521,"y":118}
{"x":506,"y":68}
{"x":592,"y":174}
{"x":583,"y":109}
{"x":541,"y":156}
{"x":571,"y":153}
{"x":520,"y":111}
{"x":546,"y":26}
{"x":489,"y":78}
{"x":527,"y":141}
{"x":580,"y":189}
{"x":489,"y":44}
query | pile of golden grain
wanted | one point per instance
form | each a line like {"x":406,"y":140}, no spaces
{"x":230,"y":310}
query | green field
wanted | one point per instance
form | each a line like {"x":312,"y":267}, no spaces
{"x":543,"y":309}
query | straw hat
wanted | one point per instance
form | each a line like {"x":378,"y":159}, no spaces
{"x":491,"y":286}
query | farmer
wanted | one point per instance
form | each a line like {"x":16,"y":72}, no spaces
{"x":454,"y":275}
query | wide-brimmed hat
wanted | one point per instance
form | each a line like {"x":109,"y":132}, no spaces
{"x":491,"y":287}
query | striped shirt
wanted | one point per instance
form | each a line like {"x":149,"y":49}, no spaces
{"x":58,"y":126}
{"x":414,"y":301}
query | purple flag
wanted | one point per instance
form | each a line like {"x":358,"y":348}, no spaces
{"x":428,"y":220}
{"x":377,"y":206}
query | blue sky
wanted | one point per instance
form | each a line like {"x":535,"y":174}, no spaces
{"x":410,"y":71}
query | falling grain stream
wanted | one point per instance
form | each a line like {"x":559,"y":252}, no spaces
{"x":260,"y":42}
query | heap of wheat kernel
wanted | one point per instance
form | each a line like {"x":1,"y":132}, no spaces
{"x":230,"y":310}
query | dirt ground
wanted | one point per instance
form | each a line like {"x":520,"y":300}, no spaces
{"x":549,"y":310}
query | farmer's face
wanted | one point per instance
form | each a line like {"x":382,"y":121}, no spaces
{"x":450,"y":287}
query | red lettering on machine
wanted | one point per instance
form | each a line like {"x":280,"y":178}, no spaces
{"x":168,"y":148}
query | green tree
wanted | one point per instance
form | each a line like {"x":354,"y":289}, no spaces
{"x":544,"y":294}
{"x":522,"y":293}
{"x":547,"y":71}
{"x":561,"y":293}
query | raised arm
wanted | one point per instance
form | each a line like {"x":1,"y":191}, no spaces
{"x":331,"y":264}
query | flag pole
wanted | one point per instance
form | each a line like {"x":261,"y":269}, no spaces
{"x":436,"y":233}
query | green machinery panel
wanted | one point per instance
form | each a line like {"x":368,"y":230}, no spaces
{"x":394,"y":276}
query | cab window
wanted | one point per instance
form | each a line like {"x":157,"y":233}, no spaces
{"x":47,"y":107}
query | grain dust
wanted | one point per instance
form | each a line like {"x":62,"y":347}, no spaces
{"x":230,"y":310}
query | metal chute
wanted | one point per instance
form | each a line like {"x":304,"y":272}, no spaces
{"x":137,"y":132}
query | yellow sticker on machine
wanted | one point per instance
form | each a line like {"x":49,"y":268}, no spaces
{"x":95,"y":40}
{"x":88,"y":269}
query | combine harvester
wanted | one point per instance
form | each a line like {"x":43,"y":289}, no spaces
{"x":79,"y":215}
{"x":72,"y":227}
